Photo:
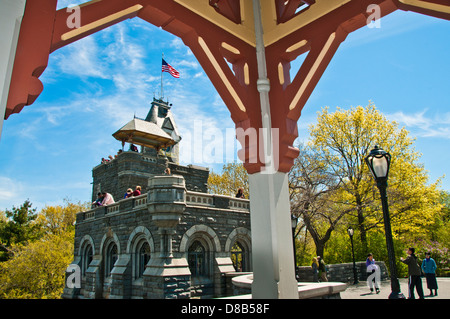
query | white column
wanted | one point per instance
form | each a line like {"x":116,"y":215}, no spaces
{"x":11,"y":13}
{"x":272,"y":249}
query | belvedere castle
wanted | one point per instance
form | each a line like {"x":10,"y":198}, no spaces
{"x":175,"y":240}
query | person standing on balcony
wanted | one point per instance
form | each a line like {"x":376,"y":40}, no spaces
{"x":137,"y":192}
{"x":108,"y":199}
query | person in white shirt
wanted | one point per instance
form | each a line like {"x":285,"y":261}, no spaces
{"x":372,"y":268}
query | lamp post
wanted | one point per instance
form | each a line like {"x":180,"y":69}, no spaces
{"x":379,"y":162}
{"x":294,"y":222}
{"x":355,"y":275}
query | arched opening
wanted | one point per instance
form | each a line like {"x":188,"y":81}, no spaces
{"x":142,"y":257}
{"x":86,"y":259}
{"x":238,"y":257}
{"x":111,"y":257}
{"x":197,"y":260}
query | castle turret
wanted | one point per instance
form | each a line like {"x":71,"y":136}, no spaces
{"x":158,"y":133}
{"x":159,"y":137}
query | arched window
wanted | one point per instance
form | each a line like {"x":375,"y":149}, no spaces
{"x":86,"y":259}
{"x":238,"y":257}
{"x":197,"y":260}
{"x":142,"y":258}
{"x":111,"y":258}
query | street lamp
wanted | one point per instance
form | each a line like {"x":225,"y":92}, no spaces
{"x":379,"y":162}
{"x":294,"y":222}
{"x":355,"y":275}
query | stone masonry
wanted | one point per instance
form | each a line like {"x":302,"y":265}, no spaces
{"x":174,"y":240}
{"x":169,"y":220}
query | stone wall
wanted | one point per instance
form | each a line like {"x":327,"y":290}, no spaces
{"x":196,"y":177}
{"x":343,"y":272}
{"x":130,"y":169}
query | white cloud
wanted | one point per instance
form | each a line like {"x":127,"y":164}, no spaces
{"x":9,"y":189}
{"x":424,"y":125}
{"x":177,"y":43}
{"x":205,"y":134}
{"x":83,"y":59}
{"x":394,"y":24}
{"x":14,"y":192}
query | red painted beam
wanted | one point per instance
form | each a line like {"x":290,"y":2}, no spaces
{"x":31,"y":54}
{"x":89,"y":14}
{"x":426,"y":11}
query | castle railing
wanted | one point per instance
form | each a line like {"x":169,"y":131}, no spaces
{"x":198,"y":199}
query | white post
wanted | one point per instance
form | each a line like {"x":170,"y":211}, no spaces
{"x":272,"y":250}
{"x":11,"y":13}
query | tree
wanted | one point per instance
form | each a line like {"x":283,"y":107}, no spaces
{"x":343,"y":139}
{"x":37,"y":269}
{"x":442,"y":223}
{"x":314,"y":191}
{"x":233,"y":176}
{"x":57,"y":219}
{"x":18,"y":228}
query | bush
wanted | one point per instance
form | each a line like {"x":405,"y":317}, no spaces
{"x":439,"y":253}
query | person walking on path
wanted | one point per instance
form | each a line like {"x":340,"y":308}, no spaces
{"x":371,"y":268}
{"x":414,"y":273}
{"x":322,"y":269}
{"x":315,"y":269}
{"x":429,"y":269}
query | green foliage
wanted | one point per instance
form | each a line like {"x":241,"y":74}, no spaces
{"x":36,"y":266}
{"x":336,"y":180}
{"x":339,"y":250}
{"x":439,"y":253}
{"x":233,"y":177}
{"x":37,"y":270}
{"x":18,"y":227}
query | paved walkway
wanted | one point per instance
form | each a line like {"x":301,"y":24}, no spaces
{"x":361,"y":290}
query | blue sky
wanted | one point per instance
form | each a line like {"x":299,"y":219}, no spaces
{"x":96,"y":85}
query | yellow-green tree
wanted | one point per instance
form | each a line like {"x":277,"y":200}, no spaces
{"x":56,"y":219}
{"x":344,"y":138}
{"x":37,"y":268}
{"x":233,"y":177}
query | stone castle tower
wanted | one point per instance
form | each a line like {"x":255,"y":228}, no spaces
{"x":131,"y":169}
{"x":175,"y":240}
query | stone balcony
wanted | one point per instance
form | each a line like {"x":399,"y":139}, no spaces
{"x":199,"y":199}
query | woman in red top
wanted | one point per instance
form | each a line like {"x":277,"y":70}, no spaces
{"x":137,"y":192}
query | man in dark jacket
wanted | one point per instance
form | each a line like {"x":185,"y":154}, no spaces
{"x":414,"y":274}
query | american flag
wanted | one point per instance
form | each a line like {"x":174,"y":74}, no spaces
{"x":166,"y":67}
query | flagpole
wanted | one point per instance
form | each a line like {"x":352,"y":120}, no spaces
{"x":162,"y":91}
